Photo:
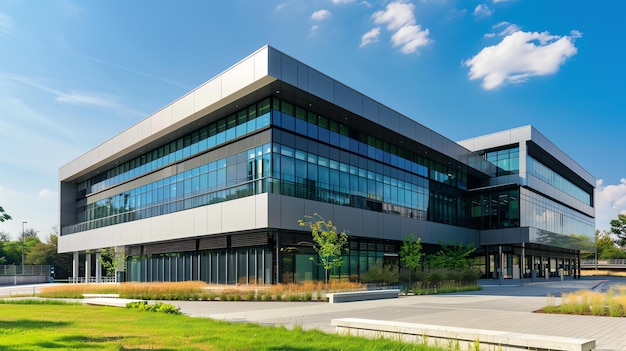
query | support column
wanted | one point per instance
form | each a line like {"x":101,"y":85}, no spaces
{"x":501,"y":264}
{"x":75,"y":266}
{"x":523,"y":263}
{"x":87,"y":267}
{"x":98,"y":268}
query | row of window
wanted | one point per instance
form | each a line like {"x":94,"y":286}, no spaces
{"x":306,"y":123}
{"x":285,"y":115}
{"x":506,"y":161}
{"x":551,"y":177}
{"x":245,"y":121}
{"x":547,"y":215}
{"x":495,"y":210}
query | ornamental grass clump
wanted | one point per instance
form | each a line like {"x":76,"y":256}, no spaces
{"x":584,"y":302}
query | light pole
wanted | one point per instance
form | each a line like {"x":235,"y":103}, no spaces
{"x":23,"y":247}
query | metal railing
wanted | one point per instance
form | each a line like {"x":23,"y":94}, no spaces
{"x":614,"y":263}
{"x":28,"y":270}
{"x":83,"y":280}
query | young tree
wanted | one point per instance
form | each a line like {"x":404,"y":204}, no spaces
{"x":411,"y":254}
{"x":618,"y":227}
{"x":452,"y":256}
{"x":3,"y":215}
{"x":328,"y":243}
{"x":111,"y":260}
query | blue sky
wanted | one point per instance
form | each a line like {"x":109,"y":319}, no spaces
{"x":73,"y":74}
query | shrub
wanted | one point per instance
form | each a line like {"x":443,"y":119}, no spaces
{"x":156,"y":307}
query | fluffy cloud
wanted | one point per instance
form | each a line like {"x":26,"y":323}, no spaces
{"x":409,"y":38}
{"x":6,"y":24}
{"x":320,"y":15}
{"x":610,"y":201}
{"x":370,"y":37}
{"x":398,"y":17}
{"x":482,"y":10}
{"x":519,"y":56}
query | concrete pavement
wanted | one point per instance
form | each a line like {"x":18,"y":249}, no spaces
{"x":507,"y":307}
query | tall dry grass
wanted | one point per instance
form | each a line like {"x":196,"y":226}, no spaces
{"x":585,"y":302}
{"x":195,"y":290}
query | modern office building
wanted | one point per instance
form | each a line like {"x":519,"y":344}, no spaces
{"x":212,"y":186}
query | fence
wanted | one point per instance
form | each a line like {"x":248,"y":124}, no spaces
{"x":29,"y":274}
{"x":82,"y":280}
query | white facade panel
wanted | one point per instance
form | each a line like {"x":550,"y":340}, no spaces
{"x":208,"y":94}
{"x":238,"y":76}
{"x":261,"y":61}
{"x":230,"y":216}
{"x":183,"y":107}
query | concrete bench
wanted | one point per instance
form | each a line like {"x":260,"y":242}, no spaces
{"x":459,"y":338}
{"x":93,"y":296}
{"x":350,"y":296}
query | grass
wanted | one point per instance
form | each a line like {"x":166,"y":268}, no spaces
{"x":79,"y":327}
{"x":198,"y":291}
{"x":584,"y":302}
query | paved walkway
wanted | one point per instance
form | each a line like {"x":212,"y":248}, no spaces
{"x":506,"y":307}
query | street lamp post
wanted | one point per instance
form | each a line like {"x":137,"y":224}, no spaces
{"x":23,"y":247}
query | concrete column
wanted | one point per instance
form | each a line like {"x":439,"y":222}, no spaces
{"x":523,"y":263}
{"x":98,"y":268}
{"x":87,"y":267}
{"x":75,"y":265}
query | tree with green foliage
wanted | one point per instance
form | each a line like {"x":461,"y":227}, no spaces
{"x":618,"y":227}
{"x":46,"y":253}
{"x":3,"y":215}
{"x":111,"y":260}
{"x":328,"y":243}
{"x":411,"y":254}
{"x":452,"y":256}
{"x":605,"y":246}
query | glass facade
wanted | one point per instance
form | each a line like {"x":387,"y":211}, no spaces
{"x":496,"y":209}
{"x":505,"y":160}
{"x":315,"y":157}
{"x":555,"y":222}
{"x":551,"y":177}
{"x":345,"y":167}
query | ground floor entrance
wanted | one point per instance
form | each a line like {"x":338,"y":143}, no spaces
{"x":527,"y":261}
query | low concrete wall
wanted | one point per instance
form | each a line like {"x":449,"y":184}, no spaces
{"x":350,"y":296}
{"x":23,"y":279}
{"x":459,"y":338}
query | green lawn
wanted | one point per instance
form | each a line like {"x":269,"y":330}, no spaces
{"x":79,"y":327}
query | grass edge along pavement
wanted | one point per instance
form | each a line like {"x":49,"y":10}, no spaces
{"x":42,"y":326}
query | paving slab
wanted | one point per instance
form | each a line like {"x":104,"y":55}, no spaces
{"x":508,"y":307}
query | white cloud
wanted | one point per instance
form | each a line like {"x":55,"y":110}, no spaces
{"x":370,"y":37}
{"x":47,"y":194}
{"x":398,"y":17}
{"x":409,"y":38}
{"x":336,"y":2}
{"x":320,"y":15}
{"x":519,"y":56}
{"x":610,"y":201}
{"x":509,"y":28}
{"x":82,"y":99}
{"x":6,"y":24}
{"x":482,"y":10}
{"x":497,"y":1}
{"x":314,"y":28}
